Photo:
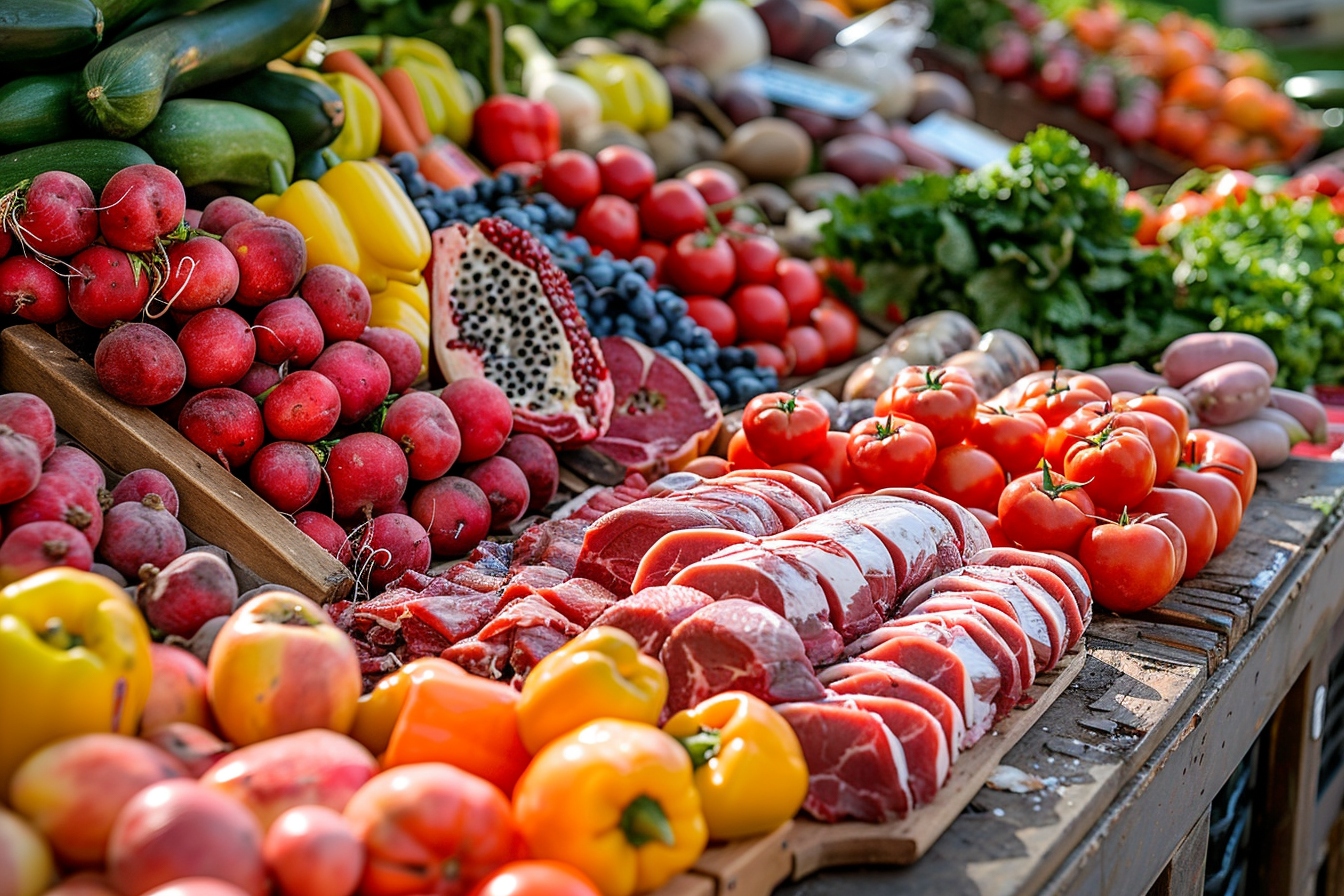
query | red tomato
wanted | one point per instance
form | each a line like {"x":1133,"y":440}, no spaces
{"x":891,"y":452}
{"x":610,"y":222}
{"x":782,"y":428}
{"x":715,"y":316}
{"x":992,"y":527}
{"x":671,"y":208}
{"x":1043,"y":513}
{"x":800,"y":286}
{"x":1054,"y":399}
{"x":811,"y":474}
{"x":701,"y":263}
{"x":1131,"y":564}
{"x":1015,"y":438}
{"x":1194,"y":517}
{"x":771,"y":356}
{"x":1166,"y":408}
{"x":740,"y":456}
{"x":1177,"y":543}
{"x":942,"y":398}
{"x":808,"y":348}
{"x":535,"y":877}
{"x":1221,"y":496}
{"x":1224,"y":456}
{"x":839,"y":328}
{"x":717,"y":187}
{"x":1118,"y":466}
{"x":626,"y":172}
{"x":571,"y":177}
{"x":757,"y":256}
{"x":1094,"y":418}
{"x":762,"y":313}
{"x":832,"y":462}
{"x":967,"y":475}
{"x":657,"y":253}
{"x":708,"y":466}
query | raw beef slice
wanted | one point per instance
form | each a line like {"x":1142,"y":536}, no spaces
{"x":853,"y":612}
{"x":677,"y":550}
{"x":614,"y":544}
{"x":926,"y":756}
{"x":881,"y":679}
{"x":650,"y":615}
{"x":865,"y":547}
{"x":856,"y":765}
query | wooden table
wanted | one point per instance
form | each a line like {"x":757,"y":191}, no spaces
{"x":1129,"y":759}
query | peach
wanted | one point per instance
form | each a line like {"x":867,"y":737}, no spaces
{"x":279,"y":666}
{"x":193,"y":746}
{"x":177,"y":693}
{"x":72,"y":790}
{"x":313,"y":851}
{"x":26,"y":868}
{"x":85,"y":883}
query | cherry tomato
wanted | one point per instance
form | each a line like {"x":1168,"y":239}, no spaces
{"x":715,"y":316}
{"x":967,"y":475}
{"x":1042,"y":512}
{"x":832,"y":462}
{"x":626,"y":172}
{"x":571,"y":177}
{"x":1117,"y":464}
{"x":1015,"y":438}
{"x":782,"y":428}
{"x":1221,"y":496}
{"x":992,"y":527}
{"x":535,"y":877}
{"x":740,"y":456}
{"x":1224,"y":456}
{"x":1056,"y":398}
{"x":771,"y":356}
{"x":891,"y":452}
{"x":811,"y":474}
{"x":671,"y":208}
{"x":708,"y":466}
{"x":1131,"y":564}
{"x":800,"y":286}
{"x":942,"y":398}
{"x":1194,"y":517}
{"x":701,"y":263}
{"x":610,"y":222}
{"x":808,"y":349}
{"x":762,"y":313}
{"x":757,"y":256}
{"x":1168,"y":409}
{"x":657,"y":253}
{"x":717,"y":187}
{"x":839,"y":328}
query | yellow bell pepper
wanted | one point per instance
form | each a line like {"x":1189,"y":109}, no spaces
{"x":377,"y":711}
{"x":317,"y":216}
{"x":600,"y":674}
{"x":415,"y":295}
{"x":363,"y":126}
{"x":633,"y":92}
{"x":74,"y":659}
{"x":749,"y":766}
{"x":616,"y":800}
{"x":381,"y":217}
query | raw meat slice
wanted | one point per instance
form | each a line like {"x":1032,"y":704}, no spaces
{"x":790,"y":590}
{"x":579,"y":600}
{"x":675,"y":482}
{"x":421,"y":639}
{"x":410,"y":579}
{"x":882,"y":679}
{"x":1003,"y":621}
{"x":510,"y":633}
{"x":552,"y":543}
{"x":456,"y":616}
{"x":971,"y":535}
{"x":614,"y":545}
{"x":1036,"y":625}
{"x":531,"y":644}
{"x":856,"y":766}
{"x":791,"y":509}
{"x":1066,"y":568}
{"x":536,"y":577}
{"x":1060,"y":593}
{"x":806,"y":489}
{"x":920,"y":540}
{"x":736,"y":645}
{"x":677,"y":550}
{"x":925,"y":746}
{"x":851,"y":600}
{"x":737,"y":510}
{"x":985,"y":637}
{"x":476,"y":577}
{"x":863,"y":545}
{"x":650,"y":615}
{"x":1056,"y":624}
{"x":945,"y":668}
{"x":986,"y":679}
{"x":488,"y":659}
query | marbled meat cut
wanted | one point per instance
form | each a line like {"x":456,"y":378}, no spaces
{"x":856,"y":766}
{"x":677,"y":550}
{"x":736,"y":645}
{"x":1068,"y":571}
{"x":1060,"y":593}
{"x":971,"y":535}
{"x":866,"y":548}
{"x":945,"y":669}
{"x":853,"y":612}
{"x":1002,"y":620}
{"x":986,"y":679}
{"x":881,"y":679}
{"x":926,"y":756}
{"x":516,"y":639}
{"x":615,"y":543}
{"x":788,"y":504}
{"x":650,"y":615}
{"x":921,"y":542}
{"x":744,"y":508}
{"x":1043,"y":630}
{"x":1056,"y":622}
{"x":581,"y":601}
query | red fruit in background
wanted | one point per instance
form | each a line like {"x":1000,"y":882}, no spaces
{"x":188,"y":592}
{"x":717,"y":187}
{"x":202,"y":274}
{"x":455,"y":512}
{"x":387,"y":547}
{"x":839,"y":329}
{"x":832,"y":462}
{"x":1058,"y":77}
{"x":528,"y":173}
{"x":138,"y":484}
{"x":536,"y":878}
{"x":536,"y":458}
{"x":657,"y":253}
{"x":32,"y":290}
{"x":1096,"y":93}
{"x":140,"y":205}
{"x":62,"y":498}
{"x":339,"y":299}
{"x":611,"y":223}
{"x":762,"y":313}
{"x":303,"y":407}
{"x":714,"y":315}
{"x":757,"y":258}
{"x":59,"y":217}
{"x":137,"y":534}
{"x":671,"y":208}
{"x":258,"y":379}
{"x":368,"y":475}
{"x":701,"y":263}
{"x":505,"y":488}
{"x":271,"y":256}
{"x":329,"y":534}
{"x":108,"y":287}
{"x":801,"y":288}
{"x":226,"y":211}
{"x":771,"y":356}
{"x":25,"y":413}
{"x":483,"y":414}
{"x":969,"y":476}
{"x":425,"y":429}
{"x":808,"y":349}
{"x":1009,"y":53}
{"x":288,"y":330}
{"x":572,"y":177}
{"x":1135,"y":121}
{"x":626,"y":172}
{"x":218,"y":346}
{"x":313,"y":851}
{"x":140,"y":365}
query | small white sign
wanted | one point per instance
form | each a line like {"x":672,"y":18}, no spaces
{"x":961,"y":140}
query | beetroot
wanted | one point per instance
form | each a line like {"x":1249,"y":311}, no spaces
{"x":58,"y":217}
{"x":367,"y":473}
{"x":400,"y":351}
{"x":226,"y":211}
{"x":386,"y":547}
{"x":191,"y":589}
{"x":258,"y":379}
{"x":60,"y":498}
{"x":201,"y":274}
{"x":108,"y":287}
{"x":139,"y":206}
{"x":536,"y":458}
{"x":286,"y":475}
{"x":339,"y":299}
{"x":26,"y":413}
{"x":138,"y":484}
{"x":483,"y":414}
{"x":20,"y":465}
{"x":77,"y":465}
{"x":360,"y":375}
{"x":455,"y":512}
{"x":505,"y":487}
{"x":225,"y":424}
{"x":271,"y":256}
{"x":140,"y":534}
{"x":218,"y":348}
{"x":288,"y":330}
{"x":424,"y":428}
{"x":324,"y":530}
{"x":140,"y":365}
{"x":32,"y":290}
{"x":36,"y":546}
{"x":304,"y":407}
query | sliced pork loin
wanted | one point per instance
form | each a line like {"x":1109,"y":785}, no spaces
{"x":677,"y":550}
{"x":922,"y":740}
{"x":650,"y":615}
{"x":882,"y":679}
{"x":806,"y":489}
{"x":920,"y":540}
{"x":856,"y":765}
{"x":868,"y":551}
{"x":736,"y":645}
{"x":952,"y":663}
{"x":1002,"y":620}
{"x":787,"y":503}
{"x":1060,"y":593}
{"x":1056,"y":621}
{"x":971,"y":535}
{"x":1068,"y":570}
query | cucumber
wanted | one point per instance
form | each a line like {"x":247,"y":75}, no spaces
{"x":125,"y":84}
{"x":212,"y":141}
{"x":94,"y":160}
{"x":311,"y":111}
{"x":35,"y":30}
{"x":37,"y":109}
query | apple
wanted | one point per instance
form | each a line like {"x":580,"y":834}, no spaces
{"x":193,"y":746}
{"x":26,"y":866}
{"x":198,"y":886}
{"x":313,"y":851}
{"x":85,"y":883}
{"x":177,"y":693}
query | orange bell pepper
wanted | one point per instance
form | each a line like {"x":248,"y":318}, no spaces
{"x":377,"y":711}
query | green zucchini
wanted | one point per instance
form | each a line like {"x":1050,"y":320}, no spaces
{"x":93,"y":160}
{"x":125,"y":84}
{"x":117,"y":14}
{"x":168,"y":9}
{"x":37,"y":109}
{"x":311,"y":111}
{"x":213,"y":141}
{"x":32,"y":31}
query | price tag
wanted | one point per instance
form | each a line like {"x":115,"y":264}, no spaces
{"x":960,"y":141}
{"x":791,"y":84}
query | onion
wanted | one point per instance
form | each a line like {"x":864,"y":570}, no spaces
{"x":723,"y":36}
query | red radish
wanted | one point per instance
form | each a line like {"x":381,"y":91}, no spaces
{"x":304,"y":407}
{"x":425,"y":429}
{"x":258,"y":379}
{"x":483,"y":414}
{"x":37,"y":546}
{"x":324,"y":530}
{"x":536,"y":458}
{"x":191,"y":589}
{"x":218,"y":347}
{"x":367,"y":473}
{"x":140,"y":365}
{"x":138,"y":484}
{"x":58,"y":217}
{"x":455,"y":512}
{"x":6,"y":242}
{"x":138,"y":534}
{"x":20,"y":465}
{"x":59,"y":498}
{"x":28,"y":414}
{"x":386,"y":547}
{"x":505,"y":487}
{"x":109,"y":287}
{"x":762,"y":312}
{"x":77,"y":465}
{"x":361,"y":376}
{"x":286,"y":475}
{"x":226,"y":211}
{"x":399,"y":350}
{"x":288,"y":330}
{"x":225,"y":424}
{"x":201,"y":274}
{"x":339,"y":299}
{"x":139,"y":206}
{"x":32,"y":290}
{"x":572,"y":177}
{"x":271,"y":256}
{"x":192,"y":217}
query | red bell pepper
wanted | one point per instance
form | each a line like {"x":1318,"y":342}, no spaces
{"x":510,"y":128}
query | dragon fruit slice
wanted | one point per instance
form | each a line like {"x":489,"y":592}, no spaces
{"x":501,"y":309}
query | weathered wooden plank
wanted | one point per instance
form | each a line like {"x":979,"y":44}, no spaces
{"x":688,"y":885}
{"x":1159,"y":640}
{"x":1184,"y":875}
